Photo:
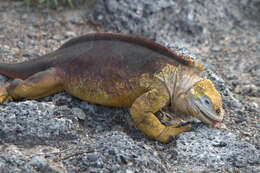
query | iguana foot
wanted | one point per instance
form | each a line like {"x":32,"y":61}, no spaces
{"x":172,"y":131}
{"x":3,"y":94}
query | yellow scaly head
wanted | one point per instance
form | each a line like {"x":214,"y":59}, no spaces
{"x":206,"y":103}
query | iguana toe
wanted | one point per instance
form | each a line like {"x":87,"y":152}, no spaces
{"x":173,"y":131}
{"x":3,"y":94}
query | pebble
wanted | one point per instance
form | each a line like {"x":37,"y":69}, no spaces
{"x":129,"y":171}
{"x":92,"y":157}
{"x":58,"y":37}
{"x":6,"y":47}
{"x":79,"y":113}
{"x":216,"y":48}
{"x":70,"y":34}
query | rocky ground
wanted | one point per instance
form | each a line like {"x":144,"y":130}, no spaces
{"x":63,"y":134}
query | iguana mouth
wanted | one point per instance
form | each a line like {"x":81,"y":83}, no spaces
{"x":214,"y":120}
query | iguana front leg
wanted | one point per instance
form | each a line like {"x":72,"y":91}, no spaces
{"x":39,"y":85}
{"x":142,"y":112}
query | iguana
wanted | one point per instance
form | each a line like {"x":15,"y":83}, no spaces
{"x":123,"y":71}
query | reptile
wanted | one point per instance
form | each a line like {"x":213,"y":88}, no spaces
{"x":123,"y":71}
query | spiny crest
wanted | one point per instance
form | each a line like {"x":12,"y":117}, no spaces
{"x":192,"y":61}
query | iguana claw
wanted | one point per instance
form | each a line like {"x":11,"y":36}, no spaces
{"x":172,"y":131}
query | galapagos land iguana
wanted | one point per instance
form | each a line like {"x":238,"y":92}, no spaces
{"x":123,"y":71}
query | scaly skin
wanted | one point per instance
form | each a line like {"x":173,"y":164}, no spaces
{"x":123,"y":71}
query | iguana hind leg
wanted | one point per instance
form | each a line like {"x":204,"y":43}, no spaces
{"x":39,"y":85}
{"x":142,"y":112}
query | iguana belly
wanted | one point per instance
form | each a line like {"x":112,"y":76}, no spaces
{"x":108,"y":93}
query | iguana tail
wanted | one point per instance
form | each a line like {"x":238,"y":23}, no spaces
{"x":21,"y":70}
{"x":25,"y":69}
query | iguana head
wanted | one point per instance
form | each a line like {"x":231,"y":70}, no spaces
{"x":205,"y":103}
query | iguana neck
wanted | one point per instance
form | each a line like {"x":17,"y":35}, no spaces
{"x":179,"y":80}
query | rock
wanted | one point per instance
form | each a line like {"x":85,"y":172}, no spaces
{"x":3,"y":80}
{"x":129,"y":171}
{"x":188,"y":20}
{"x":70,"y":34}
{"x":76,"y":20}
{"x":41,"y":165}
{"x":31,"y":123}
{"x":216,"y":48}
{"x":78,"y":113}
{"x":58,"y":37}
{"x":12,"y":159}
{"x":216,"y":149}
{"x":92,"y":157}
{"x":118,"y":152}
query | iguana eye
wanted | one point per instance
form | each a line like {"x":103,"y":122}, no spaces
{"x":207,"y":102}
{"x":218,"y":111}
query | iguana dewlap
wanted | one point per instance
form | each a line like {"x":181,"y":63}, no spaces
{"x":125,"y":71}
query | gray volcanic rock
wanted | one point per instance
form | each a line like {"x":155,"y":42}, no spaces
{"x":144,"y":17}
{"x":31,"y":122}
{"x":212,"y":148}
{"x":15,"y":160}
{"x":203,"y":149}
{"x":187,"y":21}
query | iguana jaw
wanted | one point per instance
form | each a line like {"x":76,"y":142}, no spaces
{"x":189,"y":105}
{"x":205,"y":114}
